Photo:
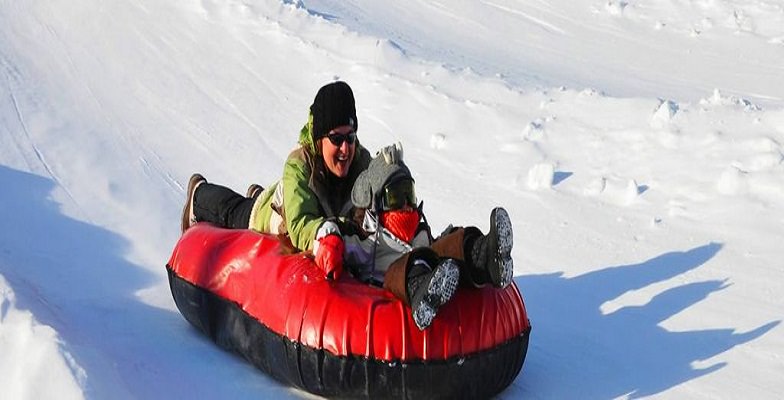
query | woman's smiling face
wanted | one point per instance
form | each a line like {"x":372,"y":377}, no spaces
{"x":337,"y":158}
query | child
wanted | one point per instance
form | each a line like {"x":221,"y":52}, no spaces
{"x":395,"y":248}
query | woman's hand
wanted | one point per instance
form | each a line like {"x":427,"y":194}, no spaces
{"x":328,"y":250}
{"x":329,"y":255}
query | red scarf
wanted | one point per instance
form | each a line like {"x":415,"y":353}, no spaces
{"x":401,"y":223}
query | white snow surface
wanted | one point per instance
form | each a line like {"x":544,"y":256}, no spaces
{"x":637,"y":145}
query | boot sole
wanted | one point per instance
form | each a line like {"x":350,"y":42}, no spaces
{"x":440,"y":289}
{"x":503,"y":271}
{"x":185,"y":222}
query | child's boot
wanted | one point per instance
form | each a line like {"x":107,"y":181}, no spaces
{"x":430,"y":288}
{"x":491,"y":254}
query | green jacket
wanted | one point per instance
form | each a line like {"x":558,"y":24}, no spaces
{"x":307,"y":194}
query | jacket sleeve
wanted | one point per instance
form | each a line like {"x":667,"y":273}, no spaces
{"x":303,"y":215}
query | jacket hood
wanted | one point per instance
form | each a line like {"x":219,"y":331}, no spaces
{"x":306,"y":136}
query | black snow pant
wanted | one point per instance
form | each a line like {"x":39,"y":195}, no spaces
{"x":221,"y":206}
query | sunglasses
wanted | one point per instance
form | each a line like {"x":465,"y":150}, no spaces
{"x":337,"y":139}
{"x":398,"y":194}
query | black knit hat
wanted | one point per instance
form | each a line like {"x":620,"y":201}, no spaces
{"x":333,"y":107}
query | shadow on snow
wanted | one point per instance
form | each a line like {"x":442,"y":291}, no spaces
{"x":74,"y":277}
{"x":577,"y":351}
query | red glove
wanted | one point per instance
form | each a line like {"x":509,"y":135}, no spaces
{"x":329,"y":255}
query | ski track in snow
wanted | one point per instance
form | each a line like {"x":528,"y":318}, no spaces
{"x":28,"y":140}
{"x":547,"y":26}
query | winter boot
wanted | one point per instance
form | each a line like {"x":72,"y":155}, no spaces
{"x":491,"y":254}
{"x":254,"y":190}
{"x":188,"y":218}
{"x":428,"y":289}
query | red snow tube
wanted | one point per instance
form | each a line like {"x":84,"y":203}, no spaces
{"x":342,"y":338}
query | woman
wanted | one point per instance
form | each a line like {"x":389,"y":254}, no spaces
{"x":311,"y":203}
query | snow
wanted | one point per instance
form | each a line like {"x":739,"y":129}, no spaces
{"x":637,"y":145}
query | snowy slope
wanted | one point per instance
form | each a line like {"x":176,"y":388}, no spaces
{"x":638,"y":146}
